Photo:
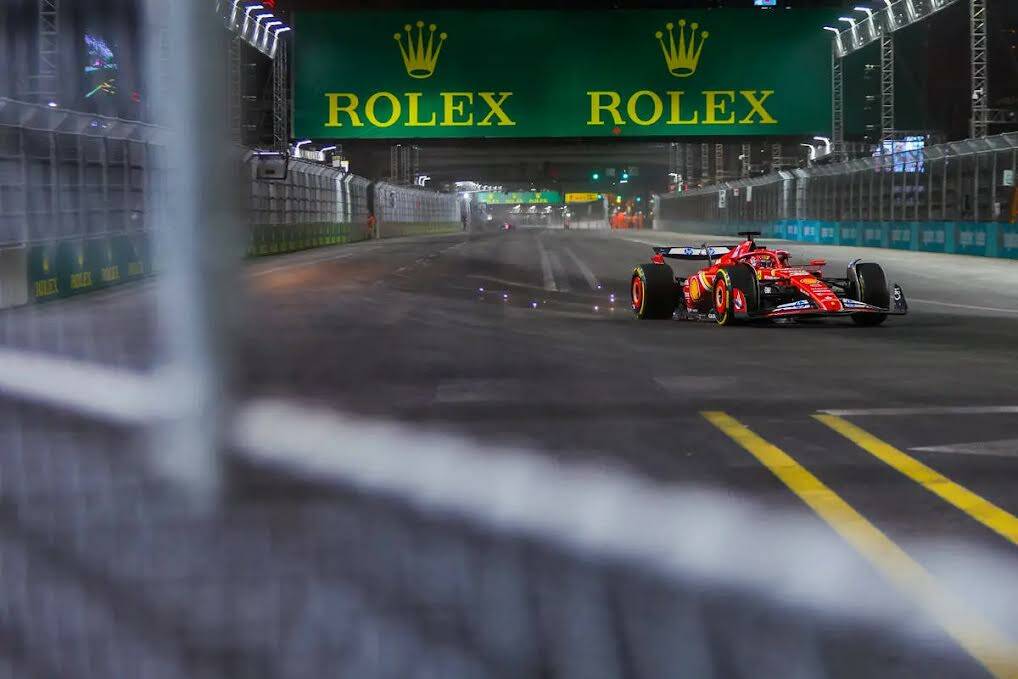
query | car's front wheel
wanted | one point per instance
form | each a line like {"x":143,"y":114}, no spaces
{"x":735,"y":290}
{"x":871,"y":288}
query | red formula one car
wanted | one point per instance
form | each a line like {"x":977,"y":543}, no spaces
{"x":748,"y":282}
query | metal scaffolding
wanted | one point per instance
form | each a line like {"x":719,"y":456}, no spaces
{"x":979,"y":64}
{"x":404,"y":163}
{"x":690,"y":163}
{"x":705,"y":163}
{"x":776,"y":159}
{"x":747,"y":159}
{"x":281,"y":98}
{"x":837,"y":107}
{"x":719,"y":162}
{"x":235,"y":92}
{"x":886,"y":86}
{"x":46,"y":80}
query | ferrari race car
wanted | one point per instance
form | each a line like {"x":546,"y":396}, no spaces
{"x":749,"y":282}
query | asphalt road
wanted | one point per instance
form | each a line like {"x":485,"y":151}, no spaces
{"x":526,"y":338}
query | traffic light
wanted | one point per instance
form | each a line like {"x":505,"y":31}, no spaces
{"x":639,"y":199}
{"x":625,"y":175}
{"x":595,"y":176}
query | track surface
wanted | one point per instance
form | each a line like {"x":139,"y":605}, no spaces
{"x":516,"y":338}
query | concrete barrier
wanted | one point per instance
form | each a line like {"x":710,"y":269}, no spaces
{"x":13,"y":277}
{"x":76,"y":265}
{"x":982,"y":239}
{"x":600,"y":224}
{"x":388,"y":229}
{"x":276,"y":239}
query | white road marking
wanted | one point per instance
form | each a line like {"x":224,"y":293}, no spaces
{"x":584,"y":269}
{"x":934,"y":410}
{"x":1003,"y":448}
{"x":546,"y":273}
{"x":964,"y":306}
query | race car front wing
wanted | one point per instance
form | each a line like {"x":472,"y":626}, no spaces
{"x":804,"y":307}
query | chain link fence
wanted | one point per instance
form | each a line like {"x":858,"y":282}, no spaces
{"x":157,"y":524}
{"x":970,"y":181}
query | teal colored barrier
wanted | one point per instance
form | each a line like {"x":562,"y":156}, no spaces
{"x":78,"y":265}
{"x":1008,"y":241}
{"x":981,"y":239}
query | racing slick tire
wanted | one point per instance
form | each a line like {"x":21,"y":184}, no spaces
{"x":739,"y":277}
{"x":653,"y":291}
{"x":871,"y":288}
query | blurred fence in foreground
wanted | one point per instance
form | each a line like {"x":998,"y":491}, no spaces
{"x":156,"y":525}
{"x":958,"y":197}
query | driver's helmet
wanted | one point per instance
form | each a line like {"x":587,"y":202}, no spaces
{"x":762,"y":260}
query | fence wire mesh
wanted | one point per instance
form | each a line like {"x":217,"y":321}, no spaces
{"x":156,"y":524}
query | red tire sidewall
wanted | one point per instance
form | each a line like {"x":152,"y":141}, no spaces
{"x":638,"y":291}
{"x":722,"y":297}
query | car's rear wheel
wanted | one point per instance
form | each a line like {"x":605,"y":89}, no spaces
{"x":871,"y":288}
{"x":653,"y":291}
{"x":735,"y":290}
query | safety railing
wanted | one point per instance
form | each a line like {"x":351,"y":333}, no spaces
{"x":967,"y":185}
{"x":77,"y":192}
{"x":157,"y":521}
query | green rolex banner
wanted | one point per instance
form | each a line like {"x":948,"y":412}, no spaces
{"x":447,"y":74}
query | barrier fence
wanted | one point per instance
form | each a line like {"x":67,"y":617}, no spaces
{"x":77,"y":190}
{"x":957,"y":198}
{"x":158,"y":522}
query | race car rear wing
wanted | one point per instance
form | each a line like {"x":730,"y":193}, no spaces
{"x":701,"y":253}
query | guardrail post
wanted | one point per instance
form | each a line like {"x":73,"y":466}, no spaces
{"x":197,"y":231}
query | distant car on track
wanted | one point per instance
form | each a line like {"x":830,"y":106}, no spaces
{"x":749,"y":282}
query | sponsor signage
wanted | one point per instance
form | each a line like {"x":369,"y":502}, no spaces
{"x":449,"y":74}
{"x":583,"y":197}
{"x":518,"y":197}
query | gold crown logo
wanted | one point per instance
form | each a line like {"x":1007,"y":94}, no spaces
{"x":420,"y":60}
{"x":683,"y":59}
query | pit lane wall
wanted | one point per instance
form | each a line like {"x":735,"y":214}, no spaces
{"x":76,"y":193}
{"x":956,"y":198}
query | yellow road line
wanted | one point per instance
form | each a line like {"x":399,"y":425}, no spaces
{"x":978,"y":637}
{"x":983,"y":511}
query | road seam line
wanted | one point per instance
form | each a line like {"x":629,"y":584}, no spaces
{"x":582,"y":266}
{"x":978,"y":637}
{"x":964,"y":306}
{"x":982,"y":510}
{"x":303,"y":262}
{"x":546,"y":273}
{"x":932,"y":410}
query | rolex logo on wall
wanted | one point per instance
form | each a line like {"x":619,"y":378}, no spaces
{"x":682,"y":56}
{"x":420,"y":60}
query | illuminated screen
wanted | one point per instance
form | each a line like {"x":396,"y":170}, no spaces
{"x":101,"y":67}
{"x":905,"y":163}
{"x":109,"y":59}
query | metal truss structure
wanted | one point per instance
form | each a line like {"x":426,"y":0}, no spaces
{"x":886,"y":86}
{"x":45,"y":82}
